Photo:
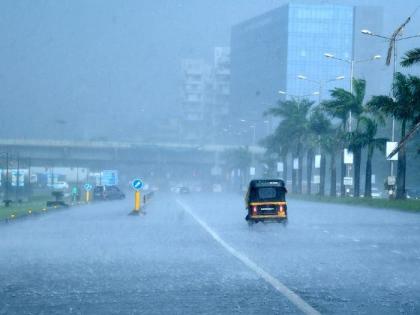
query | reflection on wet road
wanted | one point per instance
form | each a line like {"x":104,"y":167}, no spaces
{"x":98,"y":260}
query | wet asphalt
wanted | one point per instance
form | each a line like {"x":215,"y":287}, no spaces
{"x":97,"y":259}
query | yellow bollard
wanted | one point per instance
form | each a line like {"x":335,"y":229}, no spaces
{"x":137,"y":201}
{"x":87,"y":196}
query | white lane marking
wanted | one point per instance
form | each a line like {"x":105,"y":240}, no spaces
{"x":276,"y":284}
{"x":374,"y":246}
{"x":356,"y":240}
{"x":325,"y":231}
{"x":397,"y":252}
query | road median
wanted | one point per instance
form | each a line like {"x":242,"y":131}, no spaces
{"x":37,"y":205}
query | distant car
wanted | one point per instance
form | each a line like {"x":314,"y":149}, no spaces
{"x":376,"y":193}
{"x":184,"y":190}
{"x":59,"y":186}
{"x":217,"y":188}
{"x":107,"y":193}
{"x":413,"y":193}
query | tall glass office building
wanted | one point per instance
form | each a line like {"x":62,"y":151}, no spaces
{"x":270,"y":51}
{"x":312,"y":31}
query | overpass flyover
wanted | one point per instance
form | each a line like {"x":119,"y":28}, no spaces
{"x":104,"y":154}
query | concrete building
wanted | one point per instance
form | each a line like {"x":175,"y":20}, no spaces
{"x":194,"y":98}
{"x":205,"y":97}
{"x":271,"y":50}
{"x":220,"y":93}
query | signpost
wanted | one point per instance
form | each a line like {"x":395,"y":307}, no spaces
{"x":295,"y":163}
{"x":390,"y":147}
{"x":348,"y":181}
{"x":110,"y":177}
{"x":348,"y":157}
{"x":88,"y":187}
{"x":18,"y":177}
{"x":252,"y":171}
{"x":318,"y":161}
{"x":137,"y":185}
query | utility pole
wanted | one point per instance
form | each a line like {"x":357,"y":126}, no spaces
{"x":6,"y":198}
{"x":17,"y":179}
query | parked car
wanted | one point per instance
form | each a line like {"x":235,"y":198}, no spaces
{"x":413,"y":193}
{"x":217,"y":188}
{"x":184,"y":190}
{"x":376,"y":193}
{"x":107,"y":193}
{"x":60,"y":185}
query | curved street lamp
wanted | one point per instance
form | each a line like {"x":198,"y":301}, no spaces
{"x":320,"y":83}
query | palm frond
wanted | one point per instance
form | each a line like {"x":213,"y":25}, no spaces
{"x":411,"y":57}
{"x":381,"y":103}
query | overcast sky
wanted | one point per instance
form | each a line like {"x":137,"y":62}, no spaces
{"x":64,"y":64}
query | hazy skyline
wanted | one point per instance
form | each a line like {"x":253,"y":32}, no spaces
{"x":79,"y":68}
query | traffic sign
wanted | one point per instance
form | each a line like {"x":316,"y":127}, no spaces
{"x":137,"y":184}
{"x":87,"y":187}
{"x":110,"y":177}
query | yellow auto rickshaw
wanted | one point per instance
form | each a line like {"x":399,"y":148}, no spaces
{"x":266,"y":201}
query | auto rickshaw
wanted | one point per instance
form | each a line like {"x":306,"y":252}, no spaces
{"x":266,"y":201}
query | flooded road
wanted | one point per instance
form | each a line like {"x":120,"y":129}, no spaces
{"x":195,"y":254}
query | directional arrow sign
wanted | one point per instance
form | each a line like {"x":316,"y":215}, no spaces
{"x":87,"y":187}
{"x":137,"y":184}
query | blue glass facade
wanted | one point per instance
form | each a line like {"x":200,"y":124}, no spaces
{"x":312,"y":31}
{"x":269,"y":51}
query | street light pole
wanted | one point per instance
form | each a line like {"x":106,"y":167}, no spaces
{"x":299,"y":96}
{"x":351,"y":62}
{"x":6,"y":198}
{"x":321,"y":85}
{"x":17,"y":179}
{"x":394,"y":41}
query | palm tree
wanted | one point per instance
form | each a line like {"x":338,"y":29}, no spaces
{"x":240,"y":159}
{"x":405,"y":107}
{"x":331,"y":143}
{"x":276,"y":145}
{"x":369,"y":128}
{"x":355,"y":142}
{"x":411,"y":57}
{"x":293,"y":129}
{"x":320,"y":126}
{"x":343,"y":103}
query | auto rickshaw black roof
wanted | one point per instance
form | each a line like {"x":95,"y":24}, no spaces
{"x":267,"y":183}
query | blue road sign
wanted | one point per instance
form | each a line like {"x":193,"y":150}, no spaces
{"x":110,"y":177}
{"x":137,"y":184}
{"x":88,"y":187}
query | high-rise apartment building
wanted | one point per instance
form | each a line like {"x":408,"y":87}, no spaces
{"x":205,"y":96}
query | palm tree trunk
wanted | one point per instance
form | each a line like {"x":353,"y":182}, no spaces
{"x":285,"y":169}
{"x":309,"y":160}
{"x":322,"y":174}
{"x":401,"y":166}
{"x":333,"y":179}
{"x":294,"y":172}
{"x":357,"y":161}
{"x":368,"y":177}
{"x":343,"y":174}
{"x":300,"y":172}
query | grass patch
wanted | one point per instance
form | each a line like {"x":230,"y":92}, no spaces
{"x":16,"y":210}
{"x":406,"y":205}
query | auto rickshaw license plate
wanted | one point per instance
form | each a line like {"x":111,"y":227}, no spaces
{"x":267,"y":209}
